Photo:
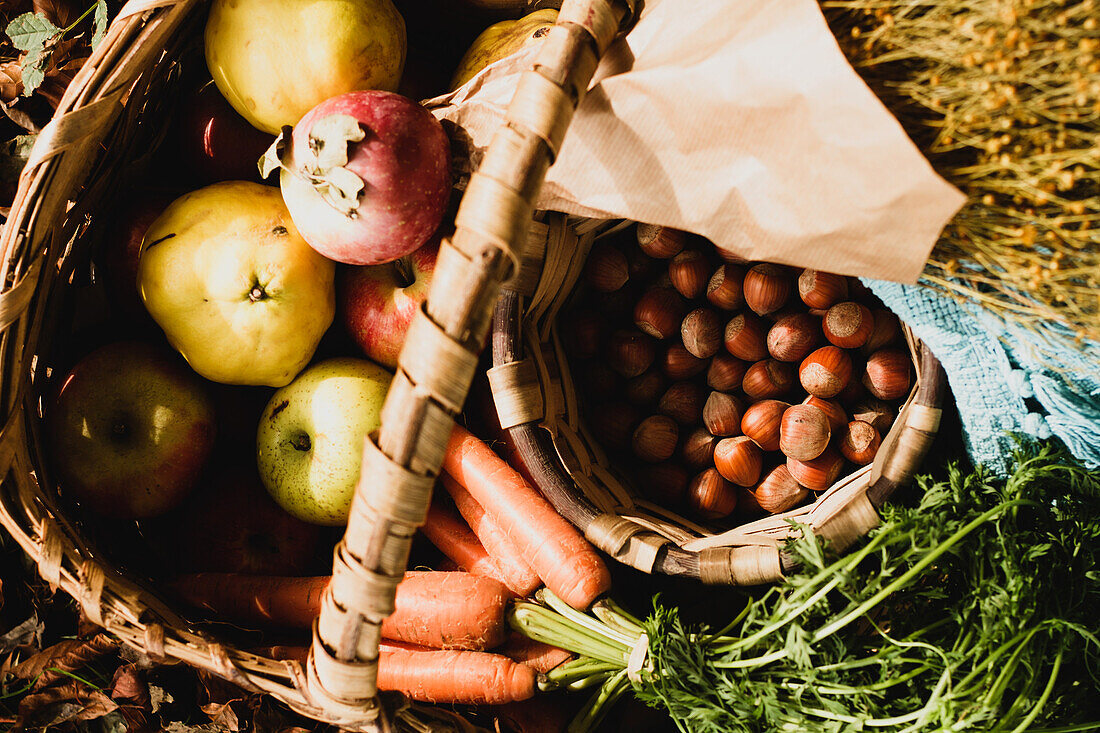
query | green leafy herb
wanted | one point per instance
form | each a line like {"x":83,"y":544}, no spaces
{"x":976,"y":609}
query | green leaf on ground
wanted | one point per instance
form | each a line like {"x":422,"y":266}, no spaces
{"x":99,"y":23}
{"x":30,"y":31}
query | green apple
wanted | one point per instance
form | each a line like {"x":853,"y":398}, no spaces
{"x":309,"y":443}
{"x":501,"y":40}
{"x":226,"y":275}
{"x":130,"y":430}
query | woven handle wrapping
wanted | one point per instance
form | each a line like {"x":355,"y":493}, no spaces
{"x":440,"y":356}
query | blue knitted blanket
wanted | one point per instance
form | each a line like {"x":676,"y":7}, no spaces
{"x":1005,"y":378}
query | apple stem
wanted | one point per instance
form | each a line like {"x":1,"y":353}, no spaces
{"x":404,"y":269}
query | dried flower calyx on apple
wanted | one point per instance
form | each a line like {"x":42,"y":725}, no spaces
{"x":321,"y":162}
{"x":365,"y":175}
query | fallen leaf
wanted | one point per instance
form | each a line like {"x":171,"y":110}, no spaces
{"x":70,"y":701}
{"x":61,"y":13}
{"x":69,"y":655}
{"x":27,"y":633}
{"x":128,"y":685}
{"x":222,"y":716}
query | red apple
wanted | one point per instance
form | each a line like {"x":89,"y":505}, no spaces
{"x":377,"y":302}
{"x":122,"y":249}
{"x":230,"y":524}
{"x":130,"y":430}
{"x":213,"y":143}
{"x":366,"y":176}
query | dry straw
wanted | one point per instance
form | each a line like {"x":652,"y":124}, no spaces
{"x":1003,"y":96}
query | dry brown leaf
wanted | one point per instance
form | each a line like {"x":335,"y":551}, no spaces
{"x":128,"y":685}
{"x":59,"y":12}
{"x":11,"y":81}
{"x":67,"y":702}
{"x":68,"y":655}
{"x":223,"y":715}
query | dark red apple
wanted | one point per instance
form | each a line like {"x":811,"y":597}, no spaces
{"x":366,"y":176}
{"x":213,"y":143}
{"x":122,"y":248}
{"x":377,"y":302}
{"x":230,"y":524}
{"x":130,"y":430}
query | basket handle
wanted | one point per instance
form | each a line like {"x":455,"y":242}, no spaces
{"x":440,"y":357}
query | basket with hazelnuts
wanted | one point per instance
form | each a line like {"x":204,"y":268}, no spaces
{"x":692,"y":402}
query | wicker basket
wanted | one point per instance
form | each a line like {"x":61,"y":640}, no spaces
{"x":105,"y":122}
{"x":538,"y":405}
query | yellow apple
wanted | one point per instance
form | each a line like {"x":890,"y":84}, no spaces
{"x":225,"y":273}
{"x":274,"y":60}
{"x":309,"y":443}
{"x":501,"y":40}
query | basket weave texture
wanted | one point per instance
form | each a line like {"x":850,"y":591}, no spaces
{"x":538,"y":405}
{"x":109,"y":112}
{"x":106,"y":118}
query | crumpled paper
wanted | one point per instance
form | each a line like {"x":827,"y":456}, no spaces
{"x":743,"y":122}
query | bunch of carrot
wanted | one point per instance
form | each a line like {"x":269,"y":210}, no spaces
{"x":507,"y":542}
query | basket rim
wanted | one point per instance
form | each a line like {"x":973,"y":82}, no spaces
{"x":539,"y":447}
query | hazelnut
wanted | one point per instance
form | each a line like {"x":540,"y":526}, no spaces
{"x":746,"y":337}
{"x":887,"y":330}
{"x":584,"y":333}
{"x":664,"y":483}
{"x":747,"y":503}
{"x":766,"y":288}
{"x":817,"y":474}
{"x":655,"y":438}
{"x":630,"y":353}
{"x":701,"y":331}
{"x":832,"y":409}
{"x":679,"y":363}
{"x":767,"y":379}
{"x":804,"y":432}
{"x":722,"y":414}
{"x":683,"y":402}
{"x":645,"y":388}
{"x":726,"y":372}
{"x":794,"y":336}
{"x":658,"y":312}
{"x":698,"y":449}
{"x":848,"y":325}
{"x":825,"y":371}
{"x":639,"y":265}
{"x":853,"y":391}
{"x":724,"y":289}
{"x":822,"y":289}
{"x":860,"y":443}
{"x":711,"y":495}
{"x":731,"y":257}
{"x":778,"y":491}
{"x":600,"y":381}
{"x":761,"y":422}
{"x":688,"y":273}
{"x":875,"y":413}
{"x":606,"y":268}
{"x":886,"y":375}
{"x":660,"y":242}
{"x":614,"y":424}
{"x":739,"y":460}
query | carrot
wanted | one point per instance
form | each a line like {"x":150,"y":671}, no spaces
{"x":441,"y":610}
{"x":446,"y":530}
{"x":564,"y":560}
{"x":443,"y":676}
{"x":535,"y":654}
{"x":515,"y":572}
{"x":449,"y":611}
{"x":455,"y":676}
